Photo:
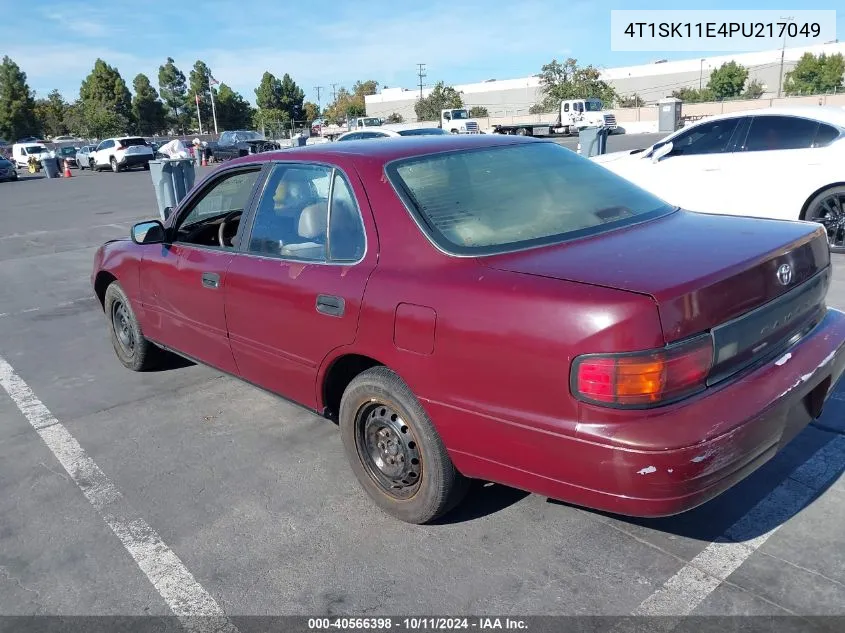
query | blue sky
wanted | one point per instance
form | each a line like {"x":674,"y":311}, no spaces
{"x":461,"y":41}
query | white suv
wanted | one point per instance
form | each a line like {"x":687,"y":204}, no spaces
{"x":121,"y":152}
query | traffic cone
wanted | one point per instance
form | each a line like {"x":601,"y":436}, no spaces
{"x":204,"y":161}
{"x":67,"y":170}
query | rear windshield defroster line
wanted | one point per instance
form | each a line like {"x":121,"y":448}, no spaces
{"x":490,"y":200}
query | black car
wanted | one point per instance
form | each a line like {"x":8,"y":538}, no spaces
{"x":7,"y":170}
{"x":239,"y":143}
{"x":66,"y":154}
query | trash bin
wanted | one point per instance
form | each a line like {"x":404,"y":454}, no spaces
{"x":172,"y":180}
{"x":51,"y":167}
{"x":298,"y":141}
{"x":592,"y":141}
{"x":669,"y":117}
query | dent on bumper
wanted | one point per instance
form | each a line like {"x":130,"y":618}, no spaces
{"x":667,"y":462}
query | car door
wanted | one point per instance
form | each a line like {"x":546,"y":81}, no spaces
{"x":691,"y":174}
{"x":183,"y":281}
{"x":103,"y":153}
{"x":294,"y":293}
{"x":780,"y":162}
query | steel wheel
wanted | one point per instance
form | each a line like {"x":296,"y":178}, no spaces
{"x":828,"y":209}
{"x":121,"y":323}
{"x":389,"y":450}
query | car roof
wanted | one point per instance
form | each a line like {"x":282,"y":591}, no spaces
{"x":833,"y":115}
{"x":389,"y":149}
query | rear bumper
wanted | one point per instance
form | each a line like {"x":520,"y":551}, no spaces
{"x":134,"y":160}
{"x":670,"y":460}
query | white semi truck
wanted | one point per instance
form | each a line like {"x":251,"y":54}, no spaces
{"x":573,"y":115}
{"x":458,"y":121}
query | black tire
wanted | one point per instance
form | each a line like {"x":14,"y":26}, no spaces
{"x":146,"y":167}
{"x":130,"y":346}
{"x":830,"y":206}
{"x":114,"y":166}
{"x":378,"y":401}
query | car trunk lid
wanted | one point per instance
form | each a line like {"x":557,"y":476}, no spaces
{"x":753,"y":282}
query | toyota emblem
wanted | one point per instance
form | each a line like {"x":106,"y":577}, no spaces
{"x":785,"y":275}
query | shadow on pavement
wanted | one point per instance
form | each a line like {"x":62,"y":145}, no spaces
{"x":483,"y":498}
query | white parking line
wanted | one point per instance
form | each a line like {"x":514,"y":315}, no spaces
{"x":687,"y":589}
{"x":192,"y":604}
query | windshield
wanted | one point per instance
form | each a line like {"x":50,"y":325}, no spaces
{"x":423,"y":131}
{"x":249,"y":135}
{"x":66,"y":151}
{"x":35,"y":149}
{"x":459,"y":114}
{"x":510,"y":197}
{"x":592,"y":106}
{"x":372,"y":122}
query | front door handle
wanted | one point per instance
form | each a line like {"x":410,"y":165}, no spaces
{"x":330,"y":304}
{"x":210,"y":280}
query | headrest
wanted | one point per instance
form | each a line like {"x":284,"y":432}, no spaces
{"x":313,"y":221}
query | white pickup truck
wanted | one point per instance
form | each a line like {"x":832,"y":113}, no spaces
{"x":573,"y":115}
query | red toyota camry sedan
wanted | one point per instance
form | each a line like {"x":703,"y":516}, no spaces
{"x":490,"y":307}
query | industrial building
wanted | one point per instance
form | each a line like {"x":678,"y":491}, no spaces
{"x":514,"y":97}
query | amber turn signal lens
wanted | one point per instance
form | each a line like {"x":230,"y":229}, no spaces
{"x":646,"y":378}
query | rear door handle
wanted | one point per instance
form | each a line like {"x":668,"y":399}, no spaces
{"x":330,"y":304}
{"x":210,"y":280}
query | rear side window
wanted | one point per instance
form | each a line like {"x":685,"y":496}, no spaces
{"x":825,"y":135}
{"x":769,"y":133}
{"x":504,"y":198}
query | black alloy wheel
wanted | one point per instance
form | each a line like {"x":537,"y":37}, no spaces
{"x":828,"y":209}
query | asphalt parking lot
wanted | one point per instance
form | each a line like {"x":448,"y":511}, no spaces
{"x":254,"y":498}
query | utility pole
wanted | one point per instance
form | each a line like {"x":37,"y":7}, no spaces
{"x":782,"y":54}
{"x":334,"y":93}
{"x":211,"y":83}
{"x":421,"y":74}
{"x":319,"y":104}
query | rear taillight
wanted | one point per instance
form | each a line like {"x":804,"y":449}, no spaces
{"x":643,"y":379}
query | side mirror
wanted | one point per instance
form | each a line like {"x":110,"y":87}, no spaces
{"x":151,"y":232}
{"x":661,"y":151}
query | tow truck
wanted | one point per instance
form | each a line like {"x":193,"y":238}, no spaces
{"x":573,"y":115}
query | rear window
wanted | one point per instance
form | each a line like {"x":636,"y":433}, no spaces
{"x":506,"y":198}
{"x":127,"y":142}
{"x":423,"y":131}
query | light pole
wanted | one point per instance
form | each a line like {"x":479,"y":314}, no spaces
{"x":782,"y":54}
{"x":700,"y":73}
{"x":211,"y":83}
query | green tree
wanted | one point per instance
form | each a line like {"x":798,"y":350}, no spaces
{"x":753,"y":90}
{"x":815,"y":75}
{"x":310,"y":111}
{"x":74,"y":119}
{"x":568,"y":80}
{"x":148,"y":111}
{"x":442,"y":97}
{"x":268,"y":98}
{"x":634,"y":101}
{"x":50,"y":113}
{"x":198,"y":80}
{"x":395,"y":117}
{"x":17,"y":104}
{"x":291,"y":98}
{"x":693,"y":95}
{"x":174,"y":91}
{"x":233,"y":111}
{"x":106,"y":100}
{"x":478,"y":112}
{"x":727,"y":81}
